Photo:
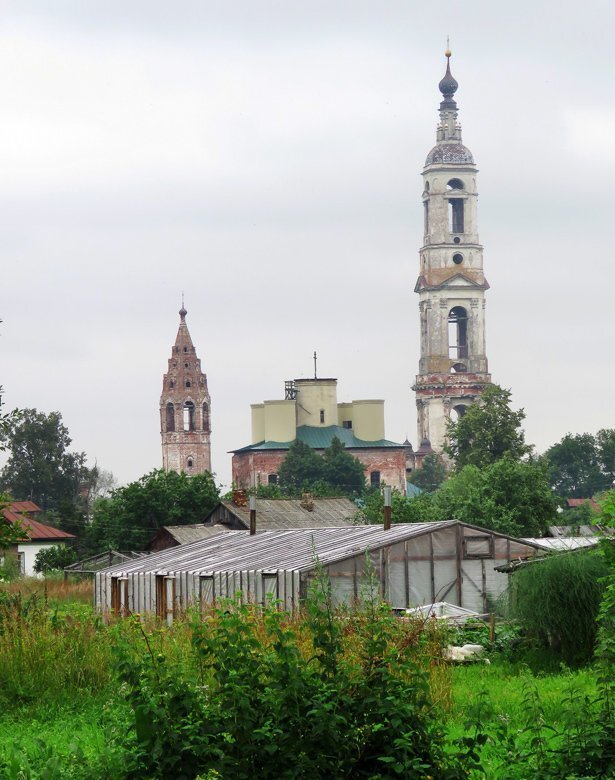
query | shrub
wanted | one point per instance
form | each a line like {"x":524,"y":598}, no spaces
{"x":556,"y":600}
{"x":54,"y":558}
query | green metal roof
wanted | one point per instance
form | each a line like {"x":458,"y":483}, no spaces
{"x":320,"y":438}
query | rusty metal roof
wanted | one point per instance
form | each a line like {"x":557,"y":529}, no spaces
{"x":34,"y":530}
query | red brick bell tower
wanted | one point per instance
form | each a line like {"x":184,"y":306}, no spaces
{"x":185,"y":408}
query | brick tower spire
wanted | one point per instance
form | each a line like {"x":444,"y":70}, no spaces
{"x":451,"y":285}
{"x":185,"y":408}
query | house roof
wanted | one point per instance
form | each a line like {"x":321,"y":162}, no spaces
{"x":286,"y":513}
{"x":186,"y":534}
{"x":15,"y":513}
{"x":573,"y":503}
{"x":295,"y":549}
{"x":320,"y":438}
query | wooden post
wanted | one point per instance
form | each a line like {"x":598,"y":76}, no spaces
{"x":492,"y":627}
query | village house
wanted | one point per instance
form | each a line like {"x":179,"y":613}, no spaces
{"x":37,"y":536}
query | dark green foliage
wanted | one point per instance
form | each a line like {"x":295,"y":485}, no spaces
{"x":581,"y":465}
{"x":557,"y":599}
{"x":335,"y":472}
{"x":40,"y":466}
{"x":509,"y":496}
{"x":488,"y":431}
{"x":130,"y":517}
{"x":301,"y":467}
{"x":431,"y":474}
{"x":54,"y":558}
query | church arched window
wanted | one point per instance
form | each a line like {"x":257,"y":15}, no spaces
{"x":458,"y":332}
{"x":455,"y":184}
{"x":458,"y":368}
{"x":170,"y":412}
{"x":189,"y":463}
{"x":189,"y":416}
{"x":458,"y":411}
{"x":206,"y":422}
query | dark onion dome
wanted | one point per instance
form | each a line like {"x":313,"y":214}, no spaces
{"x":450,"y":153}
{"x":183,"y":312}
{"x":448,"y":85}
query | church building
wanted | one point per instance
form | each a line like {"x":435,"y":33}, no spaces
{"x":453,"y":369}
{"x":185,"y":408}
{"x":310,"y":413}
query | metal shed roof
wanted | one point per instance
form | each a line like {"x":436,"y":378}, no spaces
{"x":291,"y":549}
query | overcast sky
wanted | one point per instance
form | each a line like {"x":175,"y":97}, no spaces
{"x":265,"y":158}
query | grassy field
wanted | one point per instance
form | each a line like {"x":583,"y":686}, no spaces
{"x":64,"y":713}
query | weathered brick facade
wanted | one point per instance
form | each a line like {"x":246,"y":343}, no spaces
{"x":185,"y":409}
{"x":254,"y":467}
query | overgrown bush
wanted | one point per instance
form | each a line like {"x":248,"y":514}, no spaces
{"x":264,"y":694}
{"x":556,"y":600}
{"x":54,"y":558}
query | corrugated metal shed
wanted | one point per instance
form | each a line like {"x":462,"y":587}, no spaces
{"x":412,"y":564}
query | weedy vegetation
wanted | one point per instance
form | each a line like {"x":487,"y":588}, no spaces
{"x":238,"y":691}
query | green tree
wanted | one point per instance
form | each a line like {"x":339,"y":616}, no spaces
{"x":40,"y":466}
{"x":574,"y":465}
{"x":132,"y":514}
{"x":334,"y":472}
{"x":404,"y":509}
{"x":431,"y":474}
{"x":509,"y":496}
{"x":302,"y":468}
{"x":342,"y":470}
{"x":488,"y":431}
{"x":54,"y":558}
{"x":605,"y":441}
{"x":10,"y":533}
{"x":607,"y":509}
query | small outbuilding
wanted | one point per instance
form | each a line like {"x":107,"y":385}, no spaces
{"x":411,"y":564}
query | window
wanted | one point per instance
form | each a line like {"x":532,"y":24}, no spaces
{"x":426,"y":216}
{"x":172,"y":384}
{"x":190,"y":463}
{"x":185,"y":349}
{"x":455,"y":215}
{"x":186,"y":365}
{"x":206,"y":423}
{"x":272,"y":479}
{"x":322,"y":416}
{"x":170,"y":417}
{"x":188,"y":383}
{"x":458,"y":258}
{"x":478,"y":546}
{"x":189,"y":416}
{"x":458,"y":332}
{"x":458,"y":411}
{"x":458,"y":368}
{"x":21,"y":562}
{"x":455,"y":184}
{"x":347,"y":424}
{"x":374,"y":479}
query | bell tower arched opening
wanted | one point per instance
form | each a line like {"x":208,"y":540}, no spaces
{"x":458,"y":332}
